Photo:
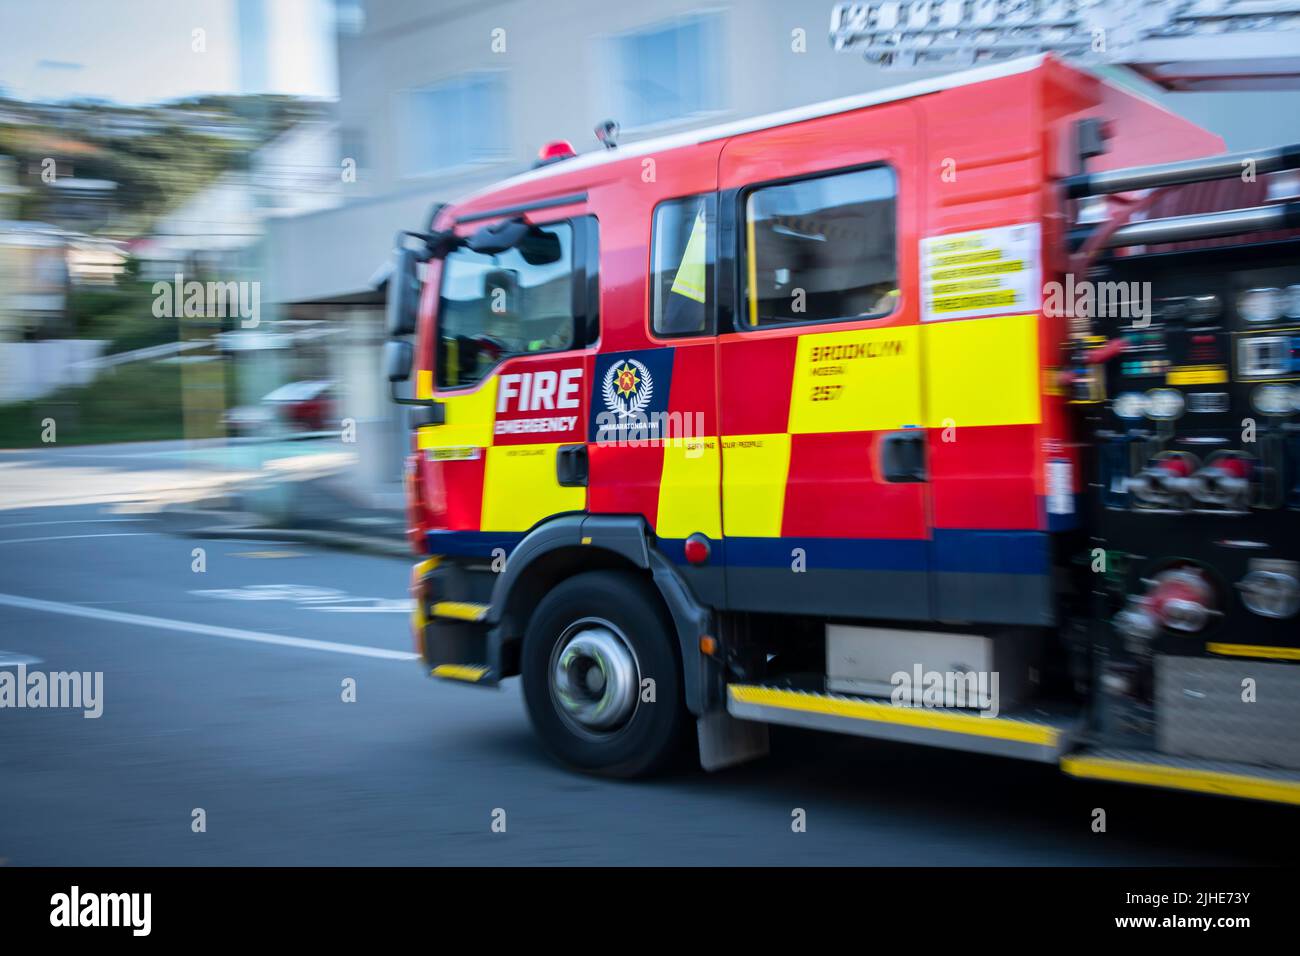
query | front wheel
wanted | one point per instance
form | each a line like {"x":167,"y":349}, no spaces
{"x":601,"y":675}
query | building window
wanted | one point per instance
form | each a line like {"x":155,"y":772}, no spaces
{"x":350,"y":16}
{"x":669,"y":71}
{"x":454,"y":123}
{"x":682,"y":265}
{"x":821,"y":250}
{"x":517,"y":302}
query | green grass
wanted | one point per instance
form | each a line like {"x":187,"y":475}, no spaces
{"x":139,"y":402}
{"x":122,"y":316}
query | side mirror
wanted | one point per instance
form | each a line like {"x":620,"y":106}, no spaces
{"x":498,"y":237}
{"x":398,"y":357}
{"x":403,"y":293}
{"x":541,"y":248}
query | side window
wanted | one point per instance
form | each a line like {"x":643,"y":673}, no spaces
{"x":821,"y":250}
{"x":517,"y":302}
{"x":681,"y":265}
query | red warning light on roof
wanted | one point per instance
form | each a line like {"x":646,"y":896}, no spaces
{"x":554,"y":151}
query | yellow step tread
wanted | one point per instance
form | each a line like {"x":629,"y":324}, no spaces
{"x":460,"y":610}
{"x":932,"y":718}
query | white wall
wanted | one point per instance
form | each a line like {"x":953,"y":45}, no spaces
{"x":31,"y":370}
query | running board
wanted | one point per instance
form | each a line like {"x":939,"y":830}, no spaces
{"x":1027,"y":737}
{"x":1148,"y":769}
{"x":464,"y":673}
{"x":459,"y":611}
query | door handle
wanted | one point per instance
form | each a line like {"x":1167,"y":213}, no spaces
{"x":902,"y":456}
{"x":571,"y":465}
{"x":435,"y":413}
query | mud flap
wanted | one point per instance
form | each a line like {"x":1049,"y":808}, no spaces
{"x":726,"y":741}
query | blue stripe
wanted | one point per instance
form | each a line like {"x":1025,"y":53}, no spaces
{"x":674,"y":549}
{"x":472,"y":544}
{"x":874,"y":554}
{"x":992,"y":552}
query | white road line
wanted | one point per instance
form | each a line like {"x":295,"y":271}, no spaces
{"x":32,"y":524}
{"x":69,"y":537}
{"x":14,"y":659}
{"x":210,"y":630}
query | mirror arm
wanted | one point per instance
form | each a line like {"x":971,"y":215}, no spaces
{"x":430,"y":403}
{"x":436,"y":244}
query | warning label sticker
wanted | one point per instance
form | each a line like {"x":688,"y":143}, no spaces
{"x":985,"y":272}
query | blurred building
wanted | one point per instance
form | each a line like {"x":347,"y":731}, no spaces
{"x":216,"y":232}
{"x":33,"y":280}
{"x":438,"y":100}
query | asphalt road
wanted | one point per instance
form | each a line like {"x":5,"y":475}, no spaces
{"x":222,"y":690}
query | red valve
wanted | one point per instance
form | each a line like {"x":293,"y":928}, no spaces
{"x":1234,"y":466}
{"x":1181,"y":599}
{"x":1177,"y":466}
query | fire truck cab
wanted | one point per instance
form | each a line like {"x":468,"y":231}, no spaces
{"x":882,"y":416}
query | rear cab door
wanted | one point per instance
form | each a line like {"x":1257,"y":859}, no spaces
{"x":825,"y":502}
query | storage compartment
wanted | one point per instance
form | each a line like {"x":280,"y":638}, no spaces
{"x":931,"y":668}
{"x":1244,"y":711}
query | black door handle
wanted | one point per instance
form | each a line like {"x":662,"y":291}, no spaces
{"x":571,"y":465}
{"x":435,"y":413}
{"x":902,"y":455}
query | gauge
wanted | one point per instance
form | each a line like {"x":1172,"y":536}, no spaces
{"x":1291,"y":302}
{"x":1130,"y":405}
{"x":1260,"y":305}
{"x":1164,"y":404}
{"x":1273,"y":399}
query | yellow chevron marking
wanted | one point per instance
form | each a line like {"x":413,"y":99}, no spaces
{"x":1183,"y":778}
{"x":933,"y":719}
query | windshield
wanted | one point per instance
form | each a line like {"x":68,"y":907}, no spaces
{"x":512,"y":303}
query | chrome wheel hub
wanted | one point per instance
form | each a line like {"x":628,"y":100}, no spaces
{"x":594,"y":677}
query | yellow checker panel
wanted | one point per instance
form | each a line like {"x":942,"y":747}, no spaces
{"x":688,"y":489}
{"x":859,"y":380}
{"x":471,"y":416}
{"x":520,"y":488}
{"x":982,"y":371}
{"x":754,"y":470}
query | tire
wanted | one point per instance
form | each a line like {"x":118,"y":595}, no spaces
{"x":596,"y":622}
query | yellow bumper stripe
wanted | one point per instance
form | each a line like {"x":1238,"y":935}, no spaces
{"x":956,"y":723}
{"x":1182,"y":778}
{"x":466,"y":672}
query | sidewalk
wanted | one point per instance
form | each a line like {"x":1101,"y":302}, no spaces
{"x":323,"y":511}
{"x":292,"y":491}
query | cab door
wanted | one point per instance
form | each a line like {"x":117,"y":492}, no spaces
{"x":822,"y":421}
{"x":653,"y":443}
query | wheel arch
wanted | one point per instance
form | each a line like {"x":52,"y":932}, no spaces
{"x":573,"y":544}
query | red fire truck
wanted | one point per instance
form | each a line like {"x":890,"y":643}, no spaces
{"x":931,"y":414}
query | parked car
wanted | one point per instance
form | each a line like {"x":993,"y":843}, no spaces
{"x":302,"y":406}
